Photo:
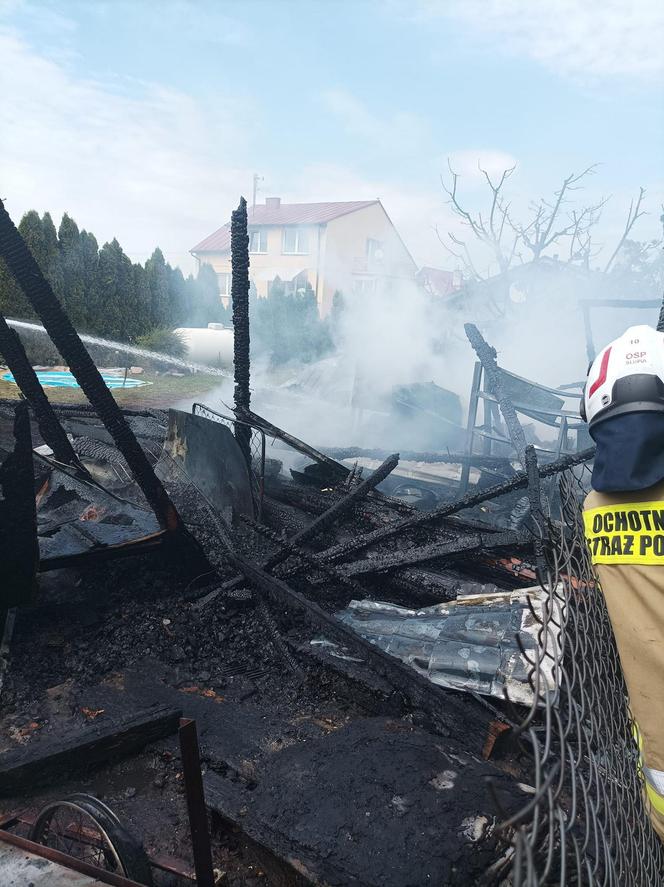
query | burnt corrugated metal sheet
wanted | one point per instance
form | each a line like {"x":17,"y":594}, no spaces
{"x":282,"y":214}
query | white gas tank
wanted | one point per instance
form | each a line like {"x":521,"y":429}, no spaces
{"x":212,"y":346}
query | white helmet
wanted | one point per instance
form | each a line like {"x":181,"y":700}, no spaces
{"x":626,"y":377}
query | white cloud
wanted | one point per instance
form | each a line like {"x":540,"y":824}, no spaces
{"x":587,"y":38}
{"x":472,"y":163}
{"x":398,"y":132}
{"x":134,"y":160}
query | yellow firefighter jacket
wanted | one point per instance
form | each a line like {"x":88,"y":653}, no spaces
{"x":625,"y":535}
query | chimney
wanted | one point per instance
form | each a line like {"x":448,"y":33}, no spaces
{"x":273,"y":202}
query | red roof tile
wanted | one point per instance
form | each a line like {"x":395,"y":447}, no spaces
{"x":282,"y":214}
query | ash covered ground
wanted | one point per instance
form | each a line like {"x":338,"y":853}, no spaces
{"x":317,"y":759}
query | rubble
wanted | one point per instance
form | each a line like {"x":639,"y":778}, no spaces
{"x":351,"y":662}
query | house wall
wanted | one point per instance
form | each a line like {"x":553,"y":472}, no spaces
{"x":264,"y":267}
{"x":337,"y":257}
{"x":346,"y":265}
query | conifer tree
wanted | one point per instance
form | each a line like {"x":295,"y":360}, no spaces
{"x":159,"y":292}
{"x":114,"y":303}
{"x":12,"y":301}
{"x":72,"y":271}
{"x":32,"y":231}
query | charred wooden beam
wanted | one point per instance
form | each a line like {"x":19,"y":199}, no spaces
{"x":437,"y":515}
{"x":325,"y":808}
{"x":19,"y":548}
{"x":437,"y":552}
{"x":337,"y":470}
{"x":7,"y":623}
{"x":47,"y":759}
{"x":50,"y":428}
{"x":325,"y":520}
{"x":306,"y":561}
{"x":447,"y":709}
{"x":240,"y":302}
{"x":272,"y":851}
{"x":37,"y":289}
{"x":487,"y":357}
{"x":308,"y":499}
{"x":336,"y":511}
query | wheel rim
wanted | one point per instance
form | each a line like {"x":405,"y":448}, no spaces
{"x":72,"y":830}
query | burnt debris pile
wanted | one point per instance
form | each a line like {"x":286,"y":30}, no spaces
{"x":358,"y":663}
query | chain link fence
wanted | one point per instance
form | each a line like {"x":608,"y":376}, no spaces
{"x":256,"y":447}
{"x":586,"y":821}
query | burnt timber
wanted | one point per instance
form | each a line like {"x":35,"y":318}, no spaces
{"x":308,"y":730}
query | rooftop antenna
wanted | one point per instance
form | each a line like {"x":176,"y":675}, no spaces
{"x":256,"y":189}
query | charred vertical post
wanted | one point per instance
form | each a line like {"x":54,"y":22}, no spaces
{"x":487,"y":356}
{"x":240,"y":300}
{"x":536,"y":512}
{"x":193,"y":784}
{"x":470,"y":428}
{"x":50,"y":428}
{"x":25,"y":269}
{"x":19,"y":549}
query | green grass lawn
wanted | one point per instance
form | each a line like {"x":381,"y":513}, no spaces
{"x":165,"y":391}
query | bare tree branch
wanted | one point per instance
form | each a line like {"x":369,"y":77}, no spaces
{"x":546,"y":216}
{"x":634,"y":213}
{"x":488,"y":231}
{"x":581,"y":245}
{"x":463,"y":256}
{"x":550,"y":222}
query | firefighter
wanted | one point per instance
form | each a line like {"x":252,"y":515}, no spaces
{"x":623,"y":404}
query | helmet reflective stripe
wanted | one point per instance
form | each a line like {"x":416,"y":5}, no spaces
{"x":628,"y":376}
{"x":603,"y":368}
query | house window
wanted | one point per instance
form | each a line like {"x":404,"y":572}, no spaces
{"x":375,"y":251}
{"x":258,"y":241}
{"x":296,"y":240}
{"x":224,"y":281}
{"x":363,"y":286}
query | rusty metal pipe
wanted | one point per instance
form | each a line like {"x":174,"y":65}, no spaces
{"x":193,"y":785}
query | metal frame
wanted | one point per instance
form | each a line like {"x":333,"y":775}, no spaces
{"x":66,"y":861}
{"x":201,"y":409}
{"x":564,"y":420}
{"x":163,"y":862}
{"x":587,"y":304}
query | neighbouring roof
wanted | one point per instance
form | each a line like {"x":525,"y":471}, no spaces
{"x":282,"y":214}
{"x":441,"y":282}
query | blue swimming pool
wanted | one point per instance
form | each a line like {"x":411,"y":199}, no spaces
{"x":60,"y":379}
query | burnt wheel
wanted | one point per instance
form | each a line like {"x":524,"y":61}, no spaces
{"x":85,"y":828}
{"x":412,"y":494}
